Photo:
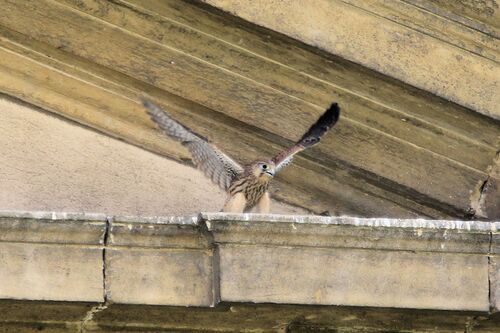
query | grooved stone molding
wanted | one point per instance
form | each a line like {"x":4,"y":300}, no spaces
{"x":420,"y":46}
{"x":215,"y":257}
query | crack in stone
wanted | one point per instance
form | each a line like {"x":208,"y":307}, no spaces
{"x":215,"y":259}
{"x":469,"y":324}
{"x":109,"y":221}
{"x":476,"y":200}
{"x":491,"y":271}
{"x":89,"y":316}
{"x":490,"y":293}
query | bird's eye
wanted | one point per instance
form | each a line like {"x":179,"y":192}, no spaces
{"x":264,"y":166}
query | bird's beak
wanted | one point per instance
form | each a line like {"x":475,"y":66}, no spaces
{"x":269,"y":173}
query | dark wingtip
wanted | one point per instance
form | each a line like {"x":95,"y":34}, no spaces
{"x":330,"y":117}
{"x":321,"y":126}
{"x":334,"y":113}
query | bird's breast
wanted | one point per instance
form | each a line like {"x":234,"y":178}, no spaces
{"x":252,"y":188}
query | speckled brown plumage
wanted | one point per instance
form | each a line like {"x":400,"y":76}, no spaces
{"x":246,"y":186}
{"x":252,"y":187}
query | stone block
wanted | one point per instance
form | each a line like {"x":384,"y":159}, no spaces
{"x":51,"y":256}
{"x":51,"y":272}
{"x":494,"y":268}
{"x":495,"y":283}
{"x":163,"y":276}
{"x":403,"y":279}
{"x":159,"y":260}
{"x":157,"y":232}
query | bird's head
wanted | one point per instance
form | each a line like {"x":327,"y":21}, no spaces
{"x":263,"y":170}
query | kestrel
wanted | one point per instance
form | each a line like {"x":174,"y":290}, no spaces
{"x":246,"y":186}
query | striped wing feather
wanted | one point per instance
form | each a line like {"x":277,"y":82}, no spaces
{"x":215,"y":164}
{"x":327,"y":120}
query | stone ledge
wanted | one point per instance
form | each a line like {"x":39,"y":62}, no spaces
{"x":166,"y":232}
{"x":350,"y":232}
{"x":213,"y":257}
{"x":58,"y":228}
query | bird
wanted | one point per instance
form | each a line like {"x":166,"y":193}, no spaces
{"x":246,"y":185}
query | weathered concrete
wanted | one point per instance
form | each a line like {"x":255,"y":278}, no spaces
{"x":381,"y":234}
{"x":489,"y":199}
{"x":49,"y":316}
{"x":44,"y":272}
{"x":437,"y":264}
{"x":166,"y":277}
{"x":495,"y":283}
{"x":394,"y":38}
{"x":494,"y":265}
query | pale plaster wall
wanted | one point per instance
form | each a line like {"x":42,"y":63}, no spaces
{"x":50,"y":164}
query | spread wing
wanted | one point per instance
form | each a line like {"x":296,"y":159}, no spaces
{"x":310,"y":138}
{"x":215,"y":164}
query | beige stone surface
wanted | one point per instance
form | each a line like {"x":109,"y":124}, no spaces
{"x":51,"y":272}
{"x":52,"y":228}
{"x":54,"y":165}
{"x":388,"y":45}
{"x":416,"y":235}
{"x":165,"y":276}
{"x":353,"y":277}
{"x":494,"y":261}
{"x":217,"y":257}
{"x":495,"y":283}
{"x":170,"y":232}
